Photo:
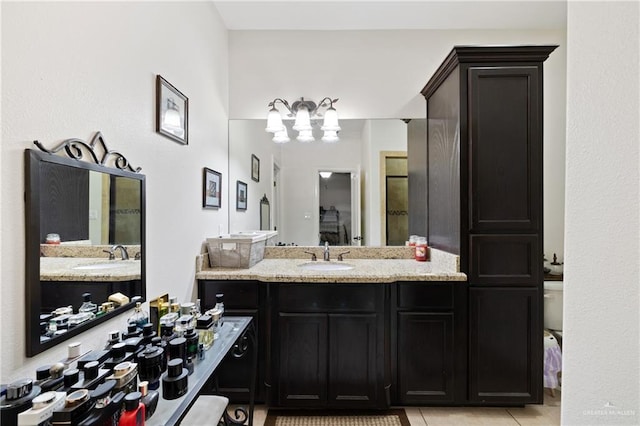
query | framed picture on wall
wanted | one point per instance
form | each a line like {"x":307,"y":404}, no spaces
{"x":241,"y":195}
{"x":172,"y":112}
{"x":255,"y":168}
{"x":211,"y":189}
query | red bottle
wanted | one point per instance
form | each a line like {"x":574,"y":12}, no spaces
{"x":421,"y":249}
{"x":133,"y":414}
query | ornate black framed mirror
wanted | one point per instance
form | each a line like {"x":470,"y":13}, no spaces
{"x":265,"y":214}
{"x":85,"y":239}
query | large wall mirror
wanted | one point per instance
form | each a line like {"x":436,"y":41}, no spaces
{"x":85,"y":234}
{"x":368,"y":150}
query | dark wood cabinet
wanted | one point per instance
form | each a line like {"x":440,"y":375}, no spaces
{"x":428,"y":340}
{"x":504,"y":368}
{"x":328,"y":345}
{"x":425,"y":357}
{"x":302,"y":376}
{"x":353,"y":360}
{"x":484,"y":198}
{"x":241,"y":298}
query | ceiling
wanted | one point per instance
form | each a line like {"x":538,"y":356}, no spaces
{"x":392,"y":15}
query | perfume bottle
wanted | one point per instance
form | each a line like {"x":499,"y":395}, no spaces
{"x":150,"y":399}
{"x":139,"y":317}
{"x":134,"y":411}
{"x":220,"y":307}
{"x":106,"y":411}
{"x":175,"y":381}
{"x":205,"y":331}
{"x":148,"y":333}
{"x":112,"y":339}
{"x":87,"y":304}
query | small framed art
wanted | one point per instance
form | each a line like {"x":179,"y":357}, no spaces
{"x":172,"y":112}
{"x":241,"y":195}
{"x":211,"y":189}
{"x":255,"y":168}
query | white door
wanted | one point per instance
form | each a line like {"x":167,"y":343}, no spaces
{"x":338,"y":206}
{"x":356,"y":219}
{"x":275,"y":197}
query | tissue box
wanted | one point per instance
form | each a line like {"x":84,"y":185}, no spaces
{"x":236,"y":251}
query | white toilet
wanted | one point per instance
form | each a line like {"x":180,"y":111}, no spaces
{"x":553,"y":306}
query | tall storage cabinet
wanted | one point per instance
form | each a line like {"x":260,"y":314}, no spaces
{"x":484,"y":202}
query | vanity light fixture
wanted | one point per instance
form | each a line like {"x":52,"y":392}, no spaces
{"x":305,"y":112}
{"x":171,"y":119}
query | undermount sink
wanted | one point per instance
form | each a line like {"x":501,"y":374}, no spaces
{"x":325,"y":266}
{"x":98,"y":266}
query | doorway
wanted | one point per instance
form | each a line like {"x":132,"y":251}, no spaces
{"x":338,"y":208}
{"x":395,"y":198}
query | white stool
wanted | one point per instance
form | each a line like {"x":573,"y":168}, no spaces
{"x":207,"y":410}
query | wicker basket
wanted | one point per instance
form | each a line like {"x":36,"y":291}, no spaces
{"x":236,"y":252}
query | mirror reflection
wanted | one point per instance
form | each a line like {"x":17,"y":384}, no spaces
{"x":85,"y":246}
{"x":377,"y":193}
{"x":265,"y":214}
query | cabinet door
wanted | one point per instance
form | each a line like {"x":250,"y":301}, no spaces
{"x":353,"y":380}
{"x":303,"y":360}
{"x":505,"y":140}
{"x":425,"y":357}
{"x":233,"y":377}
{"x":505,"y":345}
{"x":241,"y":298}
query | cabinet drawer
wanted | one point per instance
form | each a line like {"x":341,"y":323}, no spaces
{"x":425,"y":295}
{"x":237,"y":294}
{"x":505,"y":260}
{"x":330,"y":297}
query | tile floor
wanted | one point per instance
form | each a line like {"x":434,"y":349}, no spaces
{"x":539,"y":415}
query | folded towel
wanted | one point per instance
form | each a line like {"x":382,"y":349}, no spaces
{"x":552,"y":362}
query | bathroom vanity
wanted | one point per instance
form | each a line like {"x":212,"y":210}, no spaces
{"x":380,"y":333}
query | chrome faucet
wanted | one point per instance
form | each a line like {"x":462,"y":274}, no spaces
{"x":123,"y":251}
{"x":326,"y":251}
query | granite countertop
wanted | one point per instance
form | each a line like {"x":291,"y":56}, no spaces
{"x":88,"y":269}
{"x":441,"y":267}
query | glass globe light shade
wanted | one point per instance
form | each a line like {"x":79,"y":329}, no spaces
{"x":330,"y":120}
{"x":281,"y":136}
{"x":303,"y":121}
{"x":305,"y":136}
{"x":274,"y":121}
{"x":330,"y":136}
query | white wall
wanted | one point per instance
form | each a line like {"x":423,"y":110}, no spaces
{"x":70,"y":69}
{"x":379,"y":74}
{"x":383,"y":135}
{"x":299,"y":183}
{"x":248,"y":137}
{"x":601,"y":276}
